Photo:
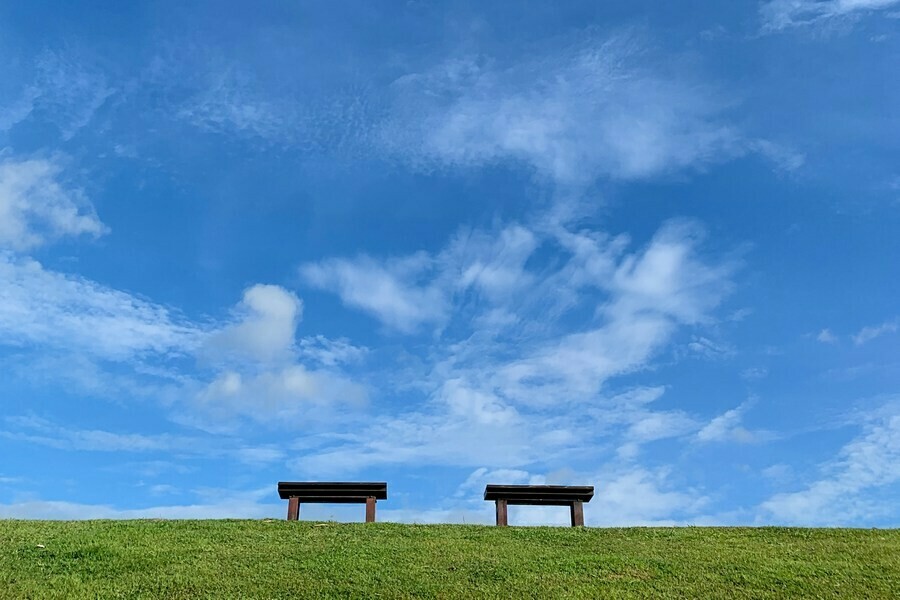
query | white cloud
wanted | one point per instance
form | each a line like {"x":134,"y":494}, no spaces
{"x":639,"y":497}
{"x":268,"y":316}
{"x":289,"y":396}
{"x":778,"y":473}
{"x":408,"y":292}
{"x":482,"y":407}
{"x":69,"y":313}
{"x":331,"y":353}
{"x":826,"y":337}
{"x":228,"y":505}
{"x":727,"y":427}
{"x":35,"y":207}
{"x":497,"y":385}
{"x":781,"y":14}
{"x":650,"y":293}
{"x":425,"y":439}
{"x":707,"y":348}
{"x":387,"y":291}
{"x":578,"y":364}
{"x":844,"y":496}
{"x":35,"y":430}
{"x":784,"y":158}
{"x":660,"y":425}
{"x":668,"y":278}
{"x":494,"y":265}
{"x":255,"y":371}
{"x":573,"y":113}
{"x":40,"y":431}
{"x":867,"y":334}
{"x":754,"y":373}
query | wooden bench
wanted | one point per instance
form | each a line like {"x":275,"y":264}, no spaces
{"x":572,"y":496}
{"x":319,"y":492}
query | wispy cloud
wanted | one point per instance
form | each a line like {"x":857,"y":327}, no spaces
{"x":845,"y":494}
{"x":331,"y":353}
{"x":36,"y":206}
{"x":228,"y":504}
{"x":40,"y":431}
{"x":501,"y":368}
{"x":62,"y":90}
{"x":826,"y":337}
{"x":289,"y":396}
{"x":781,"y":14}
{"x":230,"y":102}
{"x":35,"y":430}
{"x":250,"y":367}
{"x":601,"y":106}
{"x":53,"y":310}
{"x":598,"y":108}
{"x":388,"y":290}
{"x":867,"y":334}
{"x":728,"y":427}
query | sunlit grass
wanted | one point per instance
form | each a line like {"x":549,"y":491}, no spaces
{"x":278,"y":559}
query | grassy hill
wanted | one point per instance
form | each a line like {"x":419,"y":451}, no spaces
{"x":277,"y":559}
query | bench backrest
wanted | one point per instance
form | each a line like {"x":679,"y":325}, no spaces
{"x":332,"y":491}
{"x":539,"y":494}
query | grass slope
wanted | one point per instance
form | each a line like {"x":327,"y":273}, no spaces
{"x":277,"y":559}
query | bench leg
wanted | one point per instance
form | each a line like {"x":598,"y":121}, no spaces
{"x":501,"y":513}
{"x":577,"y":512}
{"x":370,"y":509}
{"x":293,"y":509}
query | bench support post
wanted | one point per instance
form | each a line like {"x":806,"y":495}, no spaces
{"x":577,"y":512}
{"x":293,"y":508}
{"x":501,"y":513}
{"x":370,"y":509}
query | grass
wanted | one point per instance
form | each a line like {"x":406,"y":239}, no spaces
{"x":278,"y":559}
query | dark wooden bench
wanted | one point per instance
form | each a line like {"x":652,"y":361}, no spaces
{"x":342,"y":492}
{"x":572,"y":496}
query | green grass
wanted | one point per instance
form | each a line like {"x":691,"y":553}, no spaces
{"x":277,"y":559}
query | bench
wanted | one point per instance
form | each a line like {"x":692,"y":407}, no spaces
{"x":572,"y":496}
{"x":318,"y":492}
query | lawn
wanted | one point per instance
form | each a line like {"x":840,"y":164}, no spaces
{"x":279,"y":559}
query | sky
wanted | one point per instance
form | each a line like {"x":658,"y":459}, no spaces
{"x":649,"y":247}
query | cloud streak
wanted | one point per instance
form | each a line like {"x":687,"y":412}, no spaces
{"x":573,"y":114}
{"x":44,"y":308}
{"x":847,"y":493}
{"x":783,"y":14}
{"x":60,"y":88}
{"x":36,"y":207}
{"x":867,"y":334}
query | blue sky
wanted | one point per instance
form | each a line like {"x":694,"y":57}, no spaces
{"x":647,"y":247}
